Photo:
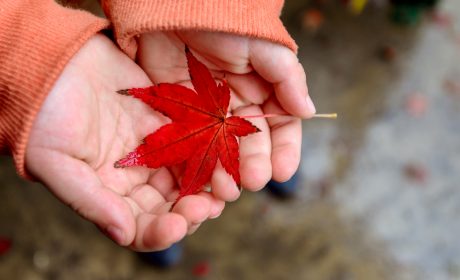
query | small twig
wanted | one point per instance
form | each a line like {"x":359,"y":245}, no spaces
{"x":326,"y":116}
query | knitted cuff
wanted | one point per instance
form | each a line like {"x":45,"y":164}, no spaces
{"x":37,"y":39}
{"x":254,"y":18}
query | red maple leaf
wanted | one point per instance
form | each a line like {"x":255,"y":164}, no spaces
{"x":200,"y":132}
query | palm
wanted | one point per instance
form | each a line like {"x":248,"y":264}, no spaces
{"x":83,"y":128}
{"x":264,"y":78}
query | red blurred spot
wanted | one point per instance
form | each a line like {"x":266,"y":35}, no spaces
{"x":444,"y":20}
{"x":264,"y":208}
{"x":312,"y":19}
{"x":387,"y":53}
{"x":5,"y":245}
{"x":416,"y":104}
{"x":452,"y":86}
{"x":202,"y":269}
{"x":416,"y":172}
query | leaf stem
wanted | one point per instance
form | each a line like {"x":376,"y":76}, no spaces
{"x":326,"y":116}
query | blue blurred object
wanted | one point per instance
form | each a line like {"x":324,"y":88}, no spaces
{"x":165,"y":258}
{"x":286,"y":189}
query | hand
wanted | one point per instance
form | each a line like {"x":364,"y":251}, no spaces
{"x":83,"y":127}
{"x":264,"y":78}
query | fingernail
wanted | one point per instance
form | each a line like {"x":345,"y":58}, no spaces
{"x":215,"y":213}
{"x":215,"y":216}
{"x":116,"y":234}
{"x":310,"y":105}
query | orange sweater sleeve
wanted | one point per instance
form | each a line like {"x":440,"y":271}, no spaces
{"x":37,"y":39}
{"x":254,"y":18}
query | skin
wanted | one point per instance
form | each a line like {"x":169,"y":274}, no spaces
{"x":83,"y":127}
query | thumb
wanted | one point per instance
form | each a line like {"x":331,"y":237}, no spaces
{"x":280,"y":66}
{"x":76,"y":184}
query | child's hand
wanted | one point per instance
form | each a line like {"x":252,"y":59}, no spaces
{"x":83,"y":127}
{"x":264,"y":78}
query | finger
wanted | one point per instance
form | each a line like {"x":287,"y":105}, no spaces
{"x":78,"y":186}
{"x":157,"y":232}
{"x":146,"y":198}
{"x":286,"y":137}
{"x":230,"y":55}
{"x":280,"y":66}
{"x":223,"y":185}
{"x":194,"y":208}
{"x":249,"y":89}
{"x":193,"y":229}
{"x":164,"y":182}
{"x":217,"y":205}
{"x":255,"y":152}
{"x":159,"y":65}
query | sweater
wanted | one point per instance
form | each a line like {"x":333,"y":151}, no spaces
{"x":38,"y":38}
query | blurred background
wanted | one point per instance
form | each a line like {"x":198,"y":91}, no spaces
{"x":376,"y":197}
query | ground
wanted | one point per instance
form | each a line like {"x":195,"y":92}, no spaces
{"x":378,"y":196}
